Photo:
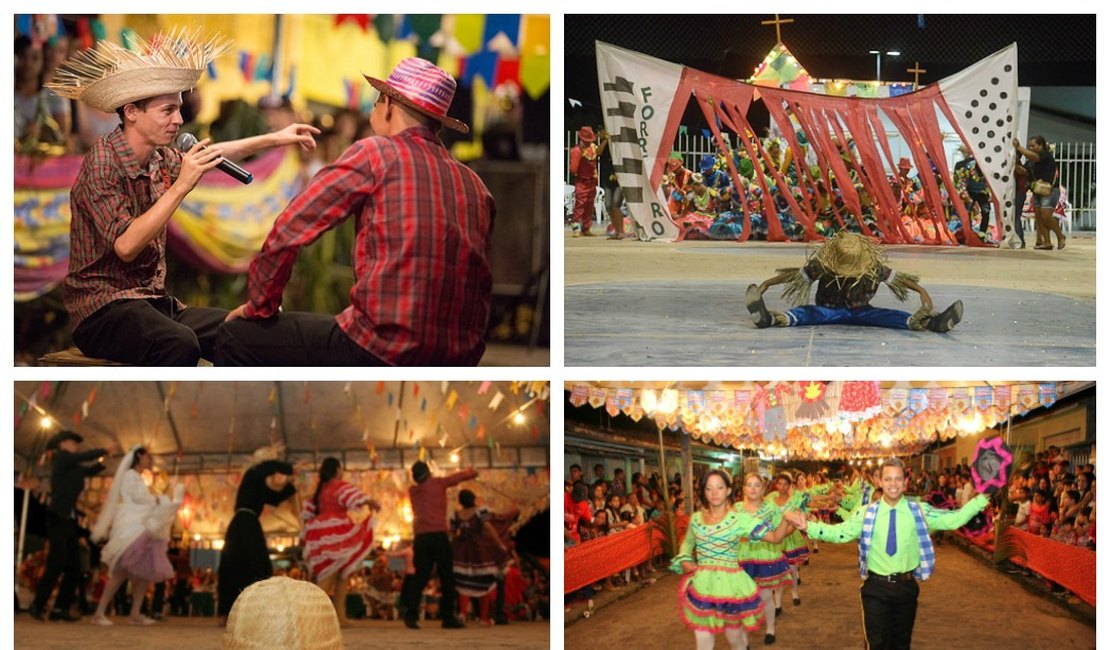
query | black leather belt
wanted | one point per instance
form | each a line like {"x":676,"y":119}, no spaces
{"x":894,"y":577}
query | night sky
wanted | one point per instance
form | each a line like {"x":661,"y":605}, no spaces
{"x":1053,"y":50}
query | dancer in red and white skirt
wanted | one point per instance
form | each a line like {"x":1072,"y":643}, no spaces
{"x":336,"y":537}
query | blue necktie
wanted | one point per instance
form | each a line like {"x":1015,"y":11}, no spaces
{"x":891,"y":537}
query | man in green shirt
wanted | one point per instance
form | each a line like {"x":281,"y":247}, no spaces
{"x":895,"y":551}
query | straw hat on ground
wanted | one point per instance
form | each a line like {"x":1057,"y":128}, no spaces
{"x":282,"y":614}
{"x":109,"y":75}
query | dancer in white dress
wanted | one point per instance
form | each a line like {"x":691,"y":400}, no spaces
{"x":136,"y":523}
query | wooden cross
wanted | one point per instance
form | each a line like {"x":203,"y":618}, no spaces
{"x":778,"y":26}
{"x":916,"y":70}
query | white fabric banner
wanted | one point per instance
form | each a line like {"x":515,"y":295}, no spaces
{"x":984,"y":101}
{"x":637,"y":92}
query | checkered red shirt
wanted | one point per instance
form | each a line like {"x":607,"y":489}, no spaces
{"x":422,"y":221}
{"x":112,"y":189}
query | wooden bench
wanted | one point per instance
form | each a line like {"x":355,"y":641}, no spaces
{"x":72,"y":357}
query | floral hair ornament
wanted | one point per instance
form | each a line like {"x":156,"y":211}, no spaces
{"x":991,"y":466}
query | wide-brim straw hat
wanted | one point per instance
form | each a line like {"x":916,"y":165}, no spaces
{"x":282,"y":614}
{"x":850,"y":255}
{"x":110,"y":75}
{"x":424,"y":87}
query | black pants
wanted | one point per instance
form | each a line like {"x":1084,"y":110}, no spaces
{"x":151,"y":332}
{"x":63,"y":559}
{"x":430,"y":549}
{"x":889,"y":609}
{"x":290,"y":338}
{"x":984,"y":201}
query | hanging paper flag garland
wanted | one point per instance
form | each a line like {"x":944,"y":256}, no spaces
{"x":919,"y":399}
{"x":597,"y":396}
{"x":469,"y":29}
{"x":499,"y":397}
{"x":481,"y":432}
{"x":451,"y":399}
{"x":1002,"y":398}
{"x":443,"y":387}
{"x":502,"y":30}
{"x":984,"y":397}
{"x":483,"y":388}
{"x":416,"y":389}
{"x":424,"y":405}
{"x":611,"y":406}
{"x":464,"y":411}
{"x":473,"y":422}
{"x":360,"y":20}
{"x":385,"y":27}
{"x":535,"y":75}
{"x":481,"y":65}
{"x":389,"y":399}
{"x":1047,"y":393}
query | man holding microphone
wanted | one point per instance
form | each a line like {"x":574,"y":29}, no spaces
{"x":130,"y":184}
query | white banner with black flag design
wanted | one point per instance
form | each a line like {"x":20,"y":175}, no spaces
{"x":637,"y":92}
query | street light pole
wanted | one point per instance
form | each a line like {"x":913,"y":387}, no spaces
{"x":879,"y":62}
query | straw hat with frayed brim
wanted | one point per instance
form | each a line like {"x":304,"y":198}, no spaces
{"x":422,"y":86}
{"x":282,"y":614}
{"x":851,"y":256}
{"x":110,"y":75}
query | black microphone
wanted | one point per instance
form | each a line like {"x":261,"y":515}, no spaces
{"x":186,"y":141}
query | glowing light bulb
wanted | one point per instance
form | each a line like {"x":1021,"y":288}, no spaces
{"x":518,"y":418}
{"x":454,"y":457}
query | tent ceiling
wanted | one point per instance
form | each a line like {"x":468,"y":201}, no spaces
{"x":217,"y":417}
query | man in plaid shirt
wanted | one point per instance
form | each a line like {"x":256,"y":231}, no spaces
{"x":130,"y":184}
{"x":422,"y":221}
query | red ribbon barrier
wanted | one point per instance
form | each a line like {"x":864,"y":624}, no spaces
{"x":599,"y":558}
{"x":1071,"y":567}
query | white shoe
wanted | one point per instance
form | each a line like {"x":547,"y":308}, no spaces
{"x":142,"y":620}
{"x":102,"y":621}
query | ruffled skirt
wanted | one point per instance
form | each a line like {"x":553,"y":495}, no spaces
{"x":145,"y":559}
{"x":717,"y":598}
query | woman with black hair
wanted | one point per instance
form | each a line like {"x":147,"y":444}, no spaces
{"x":245,"y":559}
{"x":1043,"y":181}
{"x":481,"y":552}
{"x":716,"y":596}
{"x":338,"y":533}
{"x":136,"y":524}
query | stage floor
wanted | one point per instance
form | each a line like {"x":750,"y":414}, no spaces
{"x":632,"y":303}
{"x":194,"y":633}
{"x":964,"y":605}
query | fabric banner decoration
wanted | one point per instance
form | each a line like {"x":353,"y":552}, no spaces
{"x":624,"y":399}
{"x":695,"y":401}
{"x":220,"y":227}
{"x":1002,"y":398}
{"x":637,"y":93}
{"x":596,"y":559}
{"x":1027,"y":398}
{"x":1069,"y":566}
{"x":611,"y":406}
{"x":579,"y":394}
{"x":597,"y":397}
{"x":644,"y":98}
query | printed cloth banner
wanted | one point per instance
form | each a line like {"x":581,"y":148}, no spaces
{"x":637,"y":92}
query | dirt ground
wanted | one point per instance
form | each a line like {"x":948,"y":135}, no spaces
{"x":1070,"y":272}
{"x":194,"y":633}
{"x":964,"y":605}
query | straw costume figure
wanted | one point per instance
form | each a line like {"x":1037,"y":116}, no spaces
{"x":848,"y":270}
{"x":130,"y":183}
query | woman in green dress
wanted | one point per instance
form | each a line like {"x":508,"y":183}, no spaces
{"x":785,"y":497}
{"x":764,"y":562}
{"x":715,"y":594}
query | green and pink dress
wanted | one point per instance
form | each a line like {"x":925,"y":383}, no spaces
{"x":764,"y":562}
{"x":719,"y":594}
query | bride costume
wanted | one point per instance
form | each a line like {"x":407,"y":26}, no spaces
{"x":136,"y":523}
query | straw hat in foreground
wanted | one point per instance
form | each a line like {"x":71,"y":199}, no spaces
{"x":282,"y":614}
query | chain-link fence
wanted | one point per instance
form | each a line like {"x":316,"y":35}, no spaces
{"x":1075,"y":159}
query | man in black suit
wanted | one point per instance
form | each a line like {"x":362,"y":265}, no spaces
{"x":67,"y":480}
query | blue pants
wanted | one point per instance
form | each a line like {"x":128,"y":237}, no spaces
{"x":869,"y":316}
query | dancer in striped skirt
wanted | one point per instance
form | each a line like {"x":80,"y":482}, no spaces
{"x":338,"y":532}
{"x":785,"y":497}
